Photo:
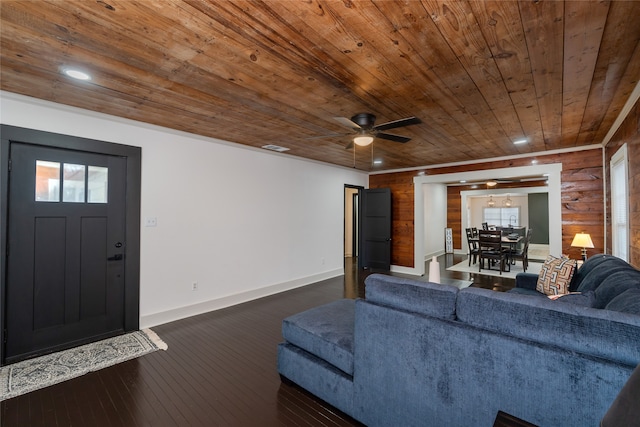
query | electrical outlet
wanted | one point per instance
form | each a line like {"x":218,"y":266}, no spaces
{"x":194,"y":286}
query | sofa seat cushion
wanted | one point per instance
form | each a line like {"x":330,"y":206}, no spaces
{"x":526,"y":291}
{"x":430,"y":299}
{"x":325,"y":331}
{"x":583,"y":299}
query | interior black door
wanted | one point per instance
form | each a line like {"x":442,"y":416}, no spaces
{"x":66,"y":249}
{"x":375,"y":247}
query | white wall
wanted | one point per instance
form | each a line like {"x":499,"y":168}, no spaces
{"x":435,"y":197}
{"x":242,"y":223}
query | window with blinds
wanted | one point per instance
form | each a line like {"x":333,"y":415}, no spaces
{"x":502,"y":217}
{"x":619,"y":204}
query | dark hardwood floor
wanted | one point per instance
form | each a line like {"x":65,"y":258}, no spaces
{"x":219,"y":370}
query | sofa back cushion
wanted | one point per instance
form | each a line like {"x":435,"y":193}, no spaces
{"x":615,"y":284}
{"x":596,"y":270}
{"x":426,"y":298}
{"x":627,"y":302}
{"x":601,"y":333}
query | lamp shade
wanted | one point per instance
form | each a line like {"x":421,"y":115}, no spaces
{"x":582,"y":240}
{"x":363,"y":140}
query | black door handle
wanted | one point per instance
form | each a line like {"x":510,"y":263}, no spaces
{"x":116,"y":257}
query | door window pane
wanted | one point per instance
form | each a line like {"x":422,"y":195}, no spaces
{"x":73,"y":183}
{"x":98,"y":184}
{"x":47,"y":181}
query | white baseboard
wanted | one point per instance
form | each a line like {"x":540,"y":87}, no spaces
{"x":405,"y":270}
{"x":155,"y":319}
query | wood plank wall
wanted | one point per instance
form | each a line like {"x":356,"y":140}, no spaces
{"x":581,"y":194}
{"x":628,"y":132}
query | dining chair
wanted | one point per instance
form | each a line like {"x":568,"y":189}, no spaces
{"x":523,"y":253}
{"x":472,"y":241}
{"x":490,"y":249}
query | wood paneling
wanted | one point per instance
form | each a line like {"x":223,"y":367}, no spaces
{"x":480,"y":74}
{"x":581,"y":198}
{"x":629,"y":133}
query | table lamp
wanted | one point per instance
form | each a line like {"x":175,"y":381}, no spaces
{"x":582,"y":240}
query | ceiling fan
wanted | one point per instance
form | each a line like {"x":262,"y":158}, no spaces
{"x":364,"y":129}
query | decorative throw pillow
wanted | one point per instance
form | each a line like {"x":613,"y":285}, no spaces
{"x":555,"y":275}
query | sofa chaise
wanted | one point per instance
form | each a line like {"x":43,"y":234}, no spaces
{"x":416,"y":353}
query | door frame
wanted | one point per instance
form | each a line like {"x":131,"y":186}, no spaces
{"x":133,"y":155}
{"x":355,"y":222}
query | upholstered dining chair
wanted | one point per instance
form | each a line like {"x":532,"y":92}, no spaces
{"x":490,"y":249}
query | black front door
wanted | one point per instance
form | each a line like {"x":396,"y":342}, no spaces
{"x":66,"y":249}
{"x":375,"y":249}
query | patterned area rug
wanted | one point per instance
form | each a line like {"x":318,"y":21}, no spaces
{"x":534,"y":267}
{"x":40,"y":372}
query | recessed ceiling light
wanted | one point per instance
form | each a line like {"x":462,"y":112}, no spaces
{"x":76,"y":74}
{"x":520,"y":141}
{"x":534,"y":162}
{"x":462,"y":181}
{"x":377,"y":162}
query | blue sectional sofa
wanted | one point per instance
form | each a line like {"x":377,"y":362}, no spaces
{"x":415,"y":353}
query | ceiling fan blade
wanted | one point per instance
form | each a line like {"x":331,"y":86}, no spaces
{"x":392,"y":137}
{"x":398,"y":123}
{"x":346,"y":122}
{"x":349,"y":146}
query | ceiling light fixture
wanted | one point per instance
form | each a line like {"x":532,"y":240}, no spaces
{"x":377,"y":162}
{"x":76,"y":74}
{"x":363,"y":140}
{"x":507,"y":202}
{"x":491,"y":203}
{"x":491,"y":183}
{"x":520,"y":141}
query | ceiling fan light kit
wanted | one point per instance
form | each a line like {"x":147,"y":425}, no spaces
{"x":363,"y":140}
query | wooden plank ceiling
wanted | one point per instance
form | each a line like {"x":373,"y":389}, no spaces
{"x":479,"y":74}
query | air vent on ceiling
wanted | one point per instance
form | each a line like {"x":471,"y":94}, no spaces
{"x":275,"y":148}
